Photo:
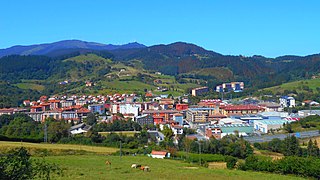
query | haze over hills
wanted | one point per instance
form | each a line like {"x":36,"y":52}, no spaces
{"x":43,"y":49}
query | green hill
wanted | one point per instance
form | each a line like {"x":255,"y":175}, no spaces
{"x":302,"y":86}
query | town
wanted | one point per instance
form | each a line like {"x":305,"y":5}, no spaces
{"x":208,"y":118}
{"x":159,"y":90}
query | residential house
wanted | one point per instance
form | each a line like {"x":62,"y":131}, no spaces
{"x":161,"y":115}
{"x":177,"y":129}
{"x":79,"y":129}
{"x":241,"y":109}
{"x":144,"y":120}
{"x":178,"y":118}
{"x":199,"y":91}
{"x":97,"y":108}
{"x":199,"y":115}
{"x":232,"y":86}
{"x":160,"y":154}
{"x":305,"y":113}
{"x":181,"y":107}
{"x":287,"y":101}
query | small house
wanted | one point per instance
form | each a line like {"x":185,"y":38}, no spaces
{"x":160,"y":154}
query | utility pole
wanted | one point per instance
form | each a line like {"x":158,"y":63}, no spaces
{"x":199,"y":152}
{"x":45,"y":132}
{"x":120,"y":149}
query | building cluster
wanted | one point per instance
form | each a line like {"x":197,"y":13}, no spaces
{"x":199,"y":91}
{"x":210,"y":117}
{"x":229,"y":87}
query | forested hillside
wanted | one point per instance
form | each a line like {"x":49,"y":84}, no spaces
{"x":133,"y":68}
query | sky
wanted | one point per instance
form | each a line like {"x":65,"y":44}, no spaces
{"x":248,"y":27}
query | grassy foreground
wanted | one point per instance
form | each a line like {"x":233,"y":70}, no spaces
{"x":91,"y":164}
{"x":93,"y":167}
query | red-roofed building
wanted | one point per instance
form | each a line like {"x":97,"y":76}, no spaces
{"x":149,"y":94}
{"x":54,"y":104}
{"x":215,"y":132}
{"x":43,"y":98}
{"x":177,"y":129}
{"x":161,"y":115}
{"x":159,"y":154}
{"x":36,"y":109}
{"x":181,"y":107}
{"x":243,"y":109}
{"x":45,"y":106}
{"x":82,"y":113}
{"x":26,"y":102}
{"x":8,"y":111}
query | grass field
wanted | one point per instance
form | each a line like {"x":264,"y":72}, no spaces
{"x":127,"y":86}
{"x":93,"y":167}
{"x":95,"y":149}
{"x":32,"y":86}
{"x":296,"y":85}
{"x":126,"y":133}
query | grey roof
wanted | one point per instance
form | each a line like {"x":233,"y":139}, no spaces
{"x":82,"y":125}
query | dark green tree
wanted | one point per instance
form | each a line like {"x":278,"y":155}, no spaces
{"x":91,"y":119}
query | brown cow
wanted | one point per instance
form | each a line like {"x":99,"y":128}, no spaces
{"x":145,"y":168}
{"x":108,"y":163}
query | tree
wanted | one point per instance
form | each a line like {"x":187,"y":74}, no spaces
{"x":167,"y":133}
{"x":291,"y":146}
{"x":231,"y":162}
{"x":57,"y":130}
{"x":18,"y":165}
{"x":91,"y":119}
{"x":187,"y":145}
{"x":288,"y":128}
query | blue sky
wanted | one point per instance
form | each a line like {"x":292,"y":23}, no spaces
{"x":264,"y":27}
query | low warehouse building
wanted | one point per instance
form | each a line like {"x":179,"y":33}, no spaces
{"x":265,"y":125}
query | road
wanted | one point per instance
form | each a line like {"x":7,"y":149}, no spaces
{"x":266,"y":138}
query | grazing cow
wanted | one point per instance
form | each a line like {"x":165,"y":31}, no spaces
{"x":108,"y":163}
{"x":135,"y":165}
{"x":145,"y":168}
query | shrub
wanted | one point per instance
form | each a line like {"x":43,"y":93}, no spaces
{"x":231,"y":162}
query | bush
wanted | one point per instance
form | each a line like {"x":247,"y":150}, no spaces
{"x":231,"y":162}
{"x":257,"y":145}
{"x":18,"y":165}
{"x":306,"y":167}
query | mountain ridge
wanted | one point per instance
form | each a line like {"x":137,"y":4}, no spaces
{"x":45,"y":48}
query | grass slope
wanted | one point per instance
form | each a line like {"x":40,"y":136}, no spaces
{"x":296,"y":85}
{"x":32,"y":86}
{"x":93,"y":167}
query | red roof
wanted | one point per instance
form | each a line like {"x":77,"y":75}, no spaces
{"x":241,"y":107}
{"x":36,"y":107}
{"x":161,"y":153}
{"x":5,"y":110}
{"x":83,"y":110}
{"x":54,"y":101}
